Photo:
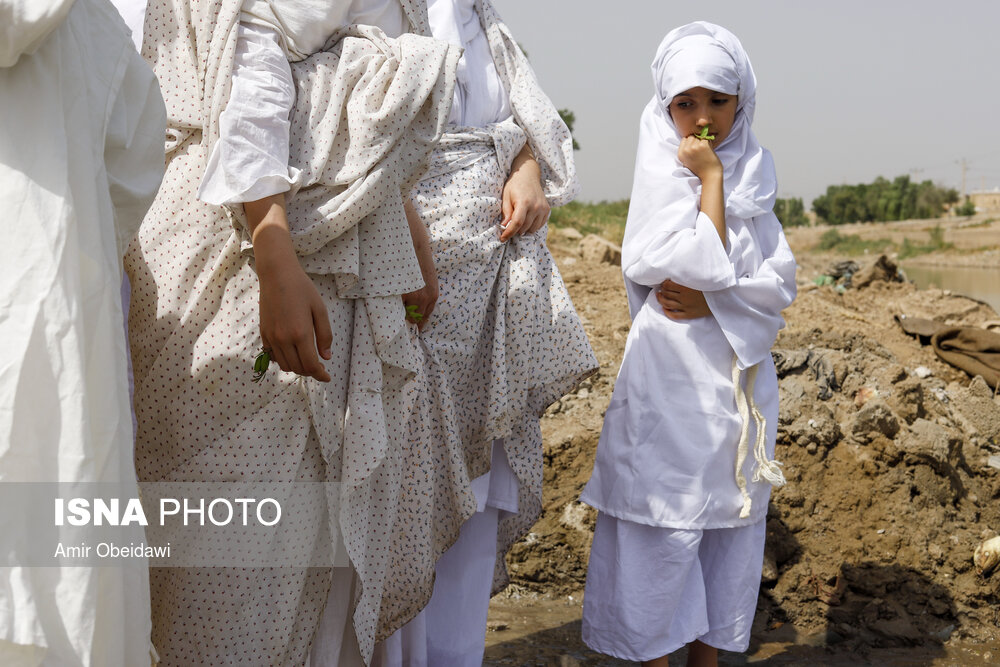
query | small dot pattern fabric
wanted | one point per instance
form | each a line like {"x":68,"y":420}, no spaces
{"x":194,"y":324}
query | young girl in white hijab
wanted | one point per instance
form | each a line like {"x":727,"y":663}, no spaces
{"x":684,"y":471}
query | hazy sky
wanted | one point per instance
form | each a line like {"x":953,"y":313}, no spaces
{"x":847,"y":90}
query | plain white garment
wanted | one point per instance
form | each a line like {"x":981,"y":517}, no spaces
{"x":134,"y":13}
{"x":480,"y":98}
{"x":250,"y":160}
{"x":652,"y":590}
{"x":81,"y":158}
{"x":306,"y":25}
{"x":451,"y":629}
{"x":335,"y":643}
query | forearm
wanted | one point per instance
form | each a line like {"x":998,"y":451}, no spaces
{"x":421,"y":240}
{"x":713,"y":203}
{"x":270,"y":233}
{"x":525,"y":162}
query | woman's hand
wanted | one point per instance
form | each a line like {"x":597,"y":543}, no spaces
{"x":294,"y":323}
{"x":682,"y":303}
{"x":525,"y":208}
{"x":420,"y":303}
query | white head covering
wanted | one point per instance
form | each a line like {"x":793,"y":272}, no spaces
{"x":666,"y":195}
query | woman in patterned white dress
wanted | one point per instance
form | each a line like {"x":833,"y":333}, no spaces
{"x":502,"y":342}
{"x":195,"y":324}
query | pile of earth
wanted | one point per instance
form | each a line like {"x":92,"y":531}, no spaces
{"x":887,"y":451}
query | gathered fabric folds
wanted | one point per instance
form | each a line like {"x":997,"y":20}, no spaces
{"x":502,"y":344}
{"x":368,"y":111}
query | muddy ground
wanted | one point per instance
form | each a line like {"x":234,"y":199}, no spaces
{"x":886,"y":449}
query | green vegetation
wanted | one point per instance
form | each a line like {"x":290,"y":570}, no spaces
{"x":966,"y":208}
{"x":791,"y":212}
{"x":850,"y":244}
{"x":569,"y":118}
{"x":882,"y":201}
{"x":937,"y":242}
{"x":605,"y":219}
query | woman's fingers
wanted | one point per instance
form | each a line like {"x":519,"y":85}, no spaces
{"x":515,"y":223}
{"x":324,"y":334}
{"x":309,"y":362}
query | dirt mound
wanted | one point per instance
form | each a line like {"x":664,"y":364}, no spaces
{"x":886,"y":449}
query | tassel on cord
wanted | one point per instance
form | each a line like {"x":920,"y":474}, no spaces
{"x":767,"y":469}
{"x":741,"y":449}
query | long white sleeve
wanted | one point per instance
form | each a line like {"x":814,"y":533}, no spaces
{"x":250,"y":160}
{"x":749,"y":312}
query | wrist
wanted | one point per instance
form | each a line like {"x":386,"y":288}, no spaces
{"x":273,"y":250}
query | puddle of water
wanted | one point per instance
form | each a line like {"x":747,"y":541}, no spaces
{"x":976,"y":282}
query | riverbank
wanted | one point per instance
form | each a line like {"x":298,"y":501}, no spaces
{"x":870,"y":545}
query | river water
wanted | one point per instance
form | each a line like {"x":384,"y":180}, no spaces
{"x":976,"y":282}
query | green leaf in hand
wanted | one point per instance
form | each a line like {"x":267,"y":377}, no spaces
{"x":705,"y":135}
{"x":413,"y":313}
{"x":260,"y":365}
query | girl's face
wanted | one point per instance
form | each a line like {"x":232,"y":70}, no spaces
{"x":699,"y":107}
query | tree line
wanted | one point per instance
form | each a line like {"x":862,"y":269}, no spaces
{"x":880,"y":201}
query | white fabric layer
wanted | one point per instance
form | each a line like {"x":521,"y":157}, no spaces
{"x":81,"y":156}
{"x":335,"y":644}
{"x":451,"y":630}
{"x":25,"y":25}
{"x":305,"y":26}
{"x":652,"y":590}
{"x":498,"y":487}
{"x":673,"y":427}
{"x":251,"y":159}
{"x":134,"y":13}
{"x":480,"y":98}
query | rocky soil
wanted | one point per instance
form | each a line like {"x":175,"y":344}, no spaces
{"x":886,"y":448}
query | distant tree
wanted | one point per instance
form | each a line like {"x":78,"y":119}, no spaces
{"x":791,"y":212}
{"x":882,"y":201}
{"x":569,"y":118}
{"x":967,"y":208}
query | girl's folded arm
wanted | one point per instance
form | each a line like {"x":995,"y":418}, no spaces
{"x":692,"y":257}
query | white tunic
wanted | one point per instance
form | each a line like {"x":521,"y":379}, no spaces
{"x":81,"y":156}
{"x":666,"y":452}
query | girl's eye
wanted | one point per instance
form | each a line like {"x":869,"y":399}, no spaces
{"x":682,"y":105}
{"x":721,"y":101}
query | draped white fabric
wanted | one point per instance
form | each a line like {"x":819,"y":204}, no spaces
{"x":480,"y":98}
{"x":81,"y":157}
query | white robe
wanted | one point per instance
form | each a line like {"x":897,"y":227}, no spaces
{"x":81,"y":157}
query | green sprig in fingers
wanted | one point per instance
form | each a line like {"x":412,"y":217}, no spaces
{"x":260,"y":365}
{"x":705,"y":135}
{"x":413,"y":313}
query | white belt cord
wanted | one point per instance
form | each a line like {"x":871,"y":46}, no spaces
{"x":768,"y":470}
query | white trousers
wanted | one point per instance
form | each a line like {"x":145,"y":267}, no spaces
{"x":451,"y":629}
{"x":335,"y":644}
